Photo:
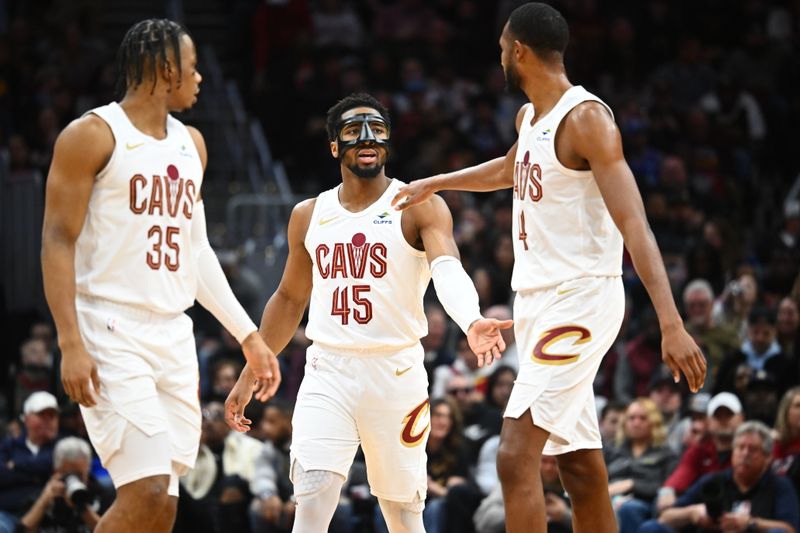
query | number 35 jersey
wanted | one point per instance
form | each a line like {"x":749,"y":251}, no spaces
{"x":562,"y":229}
{"x":368,"y":282}
{"x":135,"y":246}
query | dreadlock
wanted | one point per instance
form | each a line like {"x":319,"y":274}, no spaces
{"x":146,"y":43}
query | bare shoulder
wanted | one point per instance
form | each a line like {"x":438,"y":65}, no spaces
{"x":589,"y":119}
{"x":89,"y":131}
{"x":199,"y":142}
{"x":304,"y":209}
{"x":521,"y":114}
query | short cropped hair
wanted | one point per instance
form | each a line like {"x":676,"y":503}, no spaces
{"x":350,"y":102}
{"x":541,"y":27}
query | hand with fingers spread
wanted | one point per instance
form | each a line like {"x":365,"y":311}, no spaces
{"x":414,"y":193}
{"x":485,"y":339}
{"x":79,"y":375}
{"x":681,"y":354}
{"x":237,"y":400}
{"x":263,"y":366}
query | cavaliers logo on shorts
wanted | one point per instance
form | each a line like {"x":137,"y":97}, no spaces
{"x":555,"y":335}
{"x":410,"y":437}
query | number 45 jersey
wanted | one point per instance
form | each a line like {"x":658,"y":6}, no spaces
{"x":368,"y":282}
{"x":135,"y":246}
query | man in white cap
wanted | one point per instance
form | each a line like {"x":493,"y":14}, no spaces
{"x":711,"y":454}
{"x":26,"y":462}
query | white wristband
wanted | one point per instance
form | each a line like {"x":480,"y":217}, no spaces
{"x":213,"y":291}
{"x":455,"y":291}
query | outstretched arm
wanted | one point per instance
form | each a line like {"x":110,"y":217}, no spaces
{"x":215,"y":293}
{"x":282,"y":313}
{"x":593,"y":136}
{"x":80,"y":152}
{"x":453,"y":286}
{"x":489,"y":176}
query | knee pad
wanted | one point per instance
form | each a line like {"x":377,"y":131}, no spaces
{"x":317,"y":493}
{"x":309,"y":483}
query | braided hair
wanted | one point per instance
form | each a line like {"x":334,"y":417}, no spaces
{"x":146,"y":43}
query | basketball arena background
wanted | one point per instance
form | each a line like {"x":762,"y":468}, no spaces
{"x":705,"y":93}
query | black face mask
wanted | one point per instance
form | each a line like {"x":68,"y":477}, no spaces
{"x":362,"y":130}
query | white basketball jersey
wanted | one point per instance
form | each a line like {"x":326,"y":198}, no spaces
{"x":135,"y":247}
{"x":368,"y":281}
{"x":562,"y":229}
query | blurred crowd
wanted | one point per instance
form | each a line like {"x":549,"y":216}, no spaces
{"x":705,"y":95}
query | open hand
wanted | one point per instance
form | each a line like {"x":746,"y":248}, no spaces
{"x":485,"y":339}
{"x":414,"y":193}
{"x":237,"y":400}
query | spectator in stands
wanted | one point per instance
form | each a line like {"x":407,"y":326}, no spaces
{"x":761,"y":397}
{"x":711,"y":454}
{"x":666,"y":394}
{"x":693,"y":427}
{"x":223,"y":378}
{"x":35,"y":372}
{"x":786,"y":453}
{"x":73,"y":500}
{"x":610,"y":419}
{"x":215,"y":495}
{"x":745,"y":497}
{"x":466,"y":364}
{"x":26,"y":462}
{"x":715,"y":340}
{"x":638,"y":464}
{"x":272,"y":509}
{"x":760,"y":351}
{"x":490,"y":413}
{"x":733,"y":306}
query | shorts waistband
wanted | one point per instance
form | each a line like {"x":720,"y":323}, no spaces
{"x":533,"y":290}
{"x":365,"y":353}
{"x":132,"y":312}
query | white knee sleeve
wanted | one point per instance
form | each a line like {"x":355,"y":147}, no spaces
{"x":403,"y":517}
{"x":317,"y":493}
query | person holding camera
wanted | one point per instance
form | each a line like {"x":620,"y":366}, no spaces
{"x":26,"y":461}
{"x":70,"y":502}
{"x":745,"y":498}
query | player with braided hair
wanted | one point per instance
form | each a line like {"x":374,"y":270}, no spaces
{"x":124,"y":253}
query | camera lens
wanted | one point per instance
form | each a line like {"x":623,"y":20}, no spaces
{"x":76,"y":491}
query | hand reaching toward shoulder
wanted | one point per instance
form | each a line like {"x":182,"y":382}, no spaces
{"x":414,"y":193}
{"x":485,"y":339}
{"x":681,"y":354}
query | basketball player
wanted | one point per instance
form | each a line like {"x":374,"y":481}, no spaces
{"x":365,"y":268}
{"x":575,"y":202}
{"x":124,"y":253}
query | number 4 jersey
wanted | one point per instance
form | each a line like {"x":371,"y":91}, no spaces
{"x":562,"y":228}
{"x":368,"y":282}
{"x":135,"y":246}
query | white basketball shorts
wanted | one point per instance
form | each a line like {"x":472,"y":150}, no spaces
{"x":562,"y":334}
{"x":147,"y":364}
{"x":377,"y":400}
